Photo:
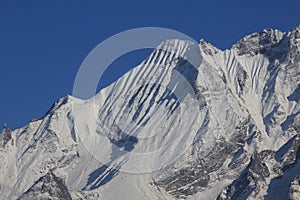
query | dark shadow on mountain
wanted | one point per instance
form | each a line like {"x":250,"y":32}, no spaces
{"x":176,"y":91}
{"x":289,"y":120}
{"x":284,"y":149}
{"x":236,"y":156}
{"x":186,"y":69}
{"x":100,"y":177}
{"x":295,"y":96}
{"x":126,"y":142}
{"x":142,"y":104}
{"x":279,"y":187}
{"x":240,"y":188}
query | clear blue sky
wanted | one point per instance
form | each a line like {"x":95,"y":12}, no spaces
{"x":42,"y":43}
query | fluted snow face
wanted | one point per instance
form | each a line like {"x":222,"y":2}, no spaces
{"x":191,"y":121}
{"x":143,"y":112}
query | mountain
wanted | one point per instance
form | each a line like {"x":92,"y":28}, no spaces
{"x":190,"y":122}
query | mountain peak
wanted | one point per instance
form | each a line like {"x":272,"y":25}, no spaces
{"x":48,"y":186}
{"x":189,"y":122}
{"x":297,"y":27}
{"x":175,"y":46}
{"x":63,"y":101}
{"x":208,"y":48}
{"x":256,"y":43}
{"x":5,"y":136}
{"x":6,"y":128}
{"x":295,"y":37}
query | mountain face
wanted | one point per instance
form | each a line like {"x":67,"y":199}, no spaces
{"x":190,"y":122}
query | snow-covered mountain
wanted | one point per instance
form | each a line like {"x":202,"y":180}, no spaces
{"x":190,"y":122}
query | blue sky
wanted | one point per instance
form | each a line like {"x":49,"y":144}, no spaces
{"x":42,"y":43}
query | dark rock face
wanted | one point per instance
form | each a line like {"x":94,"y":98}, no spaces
{"x":257,"y":172}
{"x":291,"y":154}
{"x":48,"y":187}
{"x":294,"y":191}
{"x":5,"y":136}
{"x":259,"y":42}
{"x":258,"y":165}
{"x":197,"y":176}
{"x":247,"y":182}
{"x":271,"y":43}
{"x":194,"y":175}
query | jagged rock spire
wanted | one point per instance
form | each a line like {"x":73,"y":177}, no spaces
{"x":6,"y":128}
{"x":5,"y":136}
